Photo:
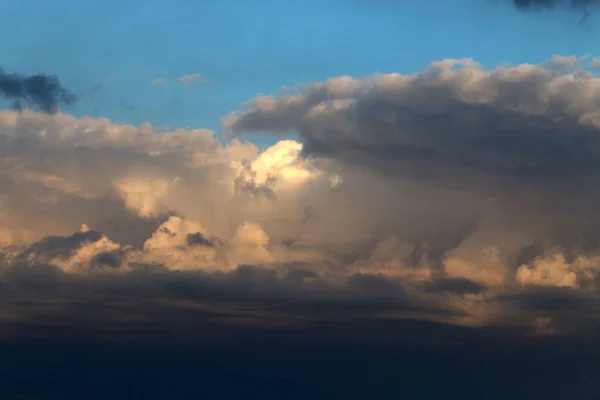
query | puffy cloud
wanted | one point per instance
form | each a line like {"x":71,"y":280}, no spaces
{"x":523,"y":122}
{"x":555,"y":268}
{"x":522,"y":137}
{"x":519,"y":144}
{"x":457,"y":195}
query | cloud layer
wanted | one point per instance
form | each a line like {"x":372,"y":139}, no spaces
{"x":458,"y":195}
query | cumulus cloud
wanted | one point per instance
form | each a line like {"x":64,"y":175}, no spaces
{"x":42,"y":91}
{"x":517,"y":142}
{"x":486,"y":113}
{"x":459,"y":194}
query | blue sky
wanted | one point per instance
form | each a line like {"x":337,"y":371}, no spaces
{"x":244,"y":48}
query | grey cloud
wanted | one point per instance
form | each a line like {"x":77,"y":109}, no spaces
{"x":444,"y":121}
{"x":43,"y":91}
{"x":525,"y":137}
{"x":565,"y":310}
{"x":528,"y":253}
{"x":552,"y":4}
{"x":108,"y":259}
{"x":455,"y":285}
{"x":586,"y":7}
{"x":60,"y":246}
{"x":111,"y":287}
{"x":43,"y":295}
{"x":298,"y":304}
{"x":558,"y":300}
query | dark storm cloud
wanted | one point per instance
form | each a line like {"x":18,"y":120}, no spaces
{"x":42,"y":91}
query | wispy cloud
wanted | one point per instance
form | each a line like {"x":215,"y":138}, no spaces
{"x":159,"y":82}
{"x":183,"y":80}
{"x":194,"y":78}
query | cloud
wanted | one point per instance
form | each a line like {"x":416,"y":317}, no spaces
{"x":552,"y":4}
{"x":587,"y":7}
{"x":159,"y":82}
{"x":187,"y":79}
{"x":183,"y":80}
{"x":521,"y":140}
{"x":455,"y":195}
{"x":42,"y":91}
{"x":528,"y":127}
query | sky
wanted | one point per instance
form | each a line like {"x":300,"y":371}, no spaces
{"x":316,"y":199}
{"x":110,"y":52}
